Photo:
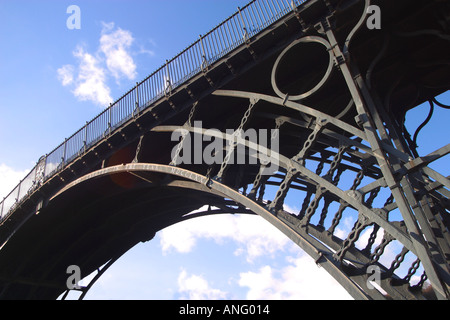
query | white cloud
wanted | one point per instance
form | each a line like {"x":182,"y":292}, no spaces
{"x":91,"y":81}
{"x":301,"y":279}
{"x":9,"y":179}
{"x":253,"y":235}
{"x":65,"y":74}
{"x":143,"y":50}
{"x":89,"y":78}
{"x":363,"y":239}
{"x":115,"y":45}
{"x":344,"y":228}
{"x":195,"y":287}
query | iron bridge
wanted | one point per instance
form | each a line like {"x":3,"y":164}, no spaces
{"x":330,"y":89}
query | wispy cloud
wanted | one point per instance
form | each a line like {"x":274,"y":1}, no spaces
{"x":91,"y":82}
{"x":115,"y":45}
{"x":113,"y":58}
{"x":262,"y":239}
{"x":301,"y":279}
{"x":196,"y":287}
{"x":298,"y":278}
{"x":65,"y":74}
{"x":9,"y":179}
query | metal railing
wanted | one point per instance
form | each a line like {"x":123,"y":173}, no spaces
{"x":234,"y":31}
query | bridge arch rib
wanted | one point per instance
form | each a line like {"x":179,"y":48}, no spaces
{"x":71,"y":224}
{"x":223,"y":197}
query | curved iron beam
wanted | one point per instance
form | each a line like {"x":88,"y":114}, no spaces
{"x":355,"y":29}
{"x":295,"y":106}
{"x":351,"y":197}
{"x":307,"y":39}
{"x":423,"y":124}
{"x":319,"y":252}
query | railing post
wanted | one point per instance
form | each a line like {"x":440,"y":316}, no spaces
{"x":136,"y":104}
{"x":63,"y":158}
{"x":40,"y":171}
{"x":109,"y":118}
{"x":137,"y":95}
{"x":204,"y":65}
{"x":85,"y":137}
{"x":18,"y":191}
{"x":168,"y":84}
{"x":1,"y":210}
{"x":245,"y":35}
{"x":293,"y":6}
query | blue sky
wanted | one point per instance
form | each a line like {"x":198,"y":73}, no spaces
{"x":53,"y":80}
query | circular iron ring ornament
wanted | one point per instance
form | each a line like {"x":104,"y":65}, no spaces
{"x":306,"y":39}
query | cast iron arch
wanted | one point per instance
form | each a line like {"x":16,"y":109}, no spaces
{"x":193,"y":180}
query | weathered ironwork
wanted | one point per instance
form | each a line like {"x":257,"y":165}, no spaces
{"x":305,"y":68}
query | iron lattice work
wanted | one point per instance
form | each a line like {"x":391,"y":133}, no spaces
{"x":344,"y":157}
